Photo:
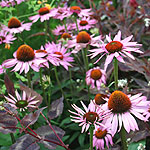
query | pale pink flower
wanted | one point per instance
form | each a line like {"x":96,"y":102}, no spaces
{"x":22,"y":102}
{"x":7,"y":3}
{"x":85,"y":23}
{"x":24,"y":58}
{"x":147,"y":112}
{"x":19,"y":1}
{"x":102,"y":136}
{"x":91,"y":115}
{"x":124,"y":110}
{"x":44,"y":13}
{"x":1,"y":69}
{"x":6,"y":37}
{"x":95,"y":77}
{"x":115,"y":48}
{"x":82,"y":40}
{"x":15,"y":26}
{"x":58,"y":55}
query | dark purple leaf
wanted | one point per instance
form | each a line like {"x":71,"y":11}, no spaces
{"x":31,"y":118}
{"x":32,"y":93}
{"x":9,"y":85}
{"x":26,"y":142}
{"x":7,"y":123}
{"x":9,"y":108}
{"x":46,"y":133}
{"x":56,"y":108}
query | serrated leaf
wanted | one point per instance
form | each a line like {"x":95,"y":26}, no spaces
{"x":56,"y":108}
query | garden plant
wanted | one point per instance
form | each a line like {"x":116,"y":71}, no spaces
{"x":75,"y":74}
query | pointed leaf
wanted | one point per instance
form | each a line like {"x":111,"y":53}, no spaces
{"x":56,"y":108}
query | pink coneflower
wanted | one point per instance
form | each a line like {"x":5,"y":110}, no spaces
{"x":6,"y":37}
{"x":24,"y":58}
{"x":116,"y":48}
{"x":124,"y":108}
{"x":102,"y":136}
{"x":19,"y":1}
{"x":99,"y":99}
{"x":85,"y":23}
{"x":15,"y":26}
{"x":80,"y":12}
{"x":95,"y":77}
{"x":7,"y":3}
{"x":147,"y":112}
{"x":91,"y":116}
{"x":44,"y":13}
{"x":58,"y":55}
{"x":22,"y":102}
{"x":82,"y":40}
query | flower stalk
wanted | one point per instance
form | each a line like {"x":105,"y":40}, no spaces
{"x":91,"y":137}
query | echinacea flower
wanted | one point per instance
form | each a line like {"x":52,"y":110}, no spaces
{"x":95,"y":77}
{"x":147,"y":112}
{"x":99,"y":99}
{"x":15,"y":26}
{"x":124,"y":110}
{"x":82,"y":40}
{"x":44,"y":13}
{"x":7,"y":3}
{"x":22,"y":102}
{"x":6,"y":37}
{"x":19,"y":1}
{"x":85,"y":23}
{"x":91,"y":115}
{"x":116,"y":48}
{"x":102,"y":136}
{"x":24,"y":58}
{"x":58,"y":55}
{"x":80,"y":12}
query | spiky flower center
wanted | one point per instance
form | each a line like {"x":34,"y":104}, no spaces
{"x":119,"y":102}
{"x":96,"y":74}
{"x":21,"y":103}
{"x":41,"y":51}
{"x":83,"y":23}
{"x":25,"y":53}
{"x":60,"y":55}
{"x":62,"y":31}
{"x":75,"y":9}
{"x":91,"y":116}
{"x":83,"y":37}
{"x":100,"y":133}
{"x":114,"y":46}
{"x":99,"y":99}
{"x":44,"y":10}
{"x":14,"y":23}
{"x":66,"y":36}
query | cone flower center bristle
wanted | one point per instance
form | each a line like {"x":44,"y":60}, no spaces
{"x":66,"y":36}
{"x":114,"y":46}
{"x":83,"y":23}
{"x":60,"y":55}
{"x":96,"y":74}
{"x":41,"y":51}
{"x":75,"y":9}
{"x":25,"y":53}
{"x":21,"y":103}
{"x":14,"y":23}
{"x":119,"y":102}
{"x":44,"y":10}
{"x":83,"y":37}
{"x":99,"y":99}
{"x":91,"y":116}
{"x":100,"y":133}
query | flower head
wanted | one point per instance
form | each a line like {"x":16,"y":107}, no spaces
{"x":58,"y":55}
{"x":15,"y":26}
{"x":24,"y":58}
{"x":95,"y":76}
{"x":116,"y":48}
{"x":7,"y":3}
{"x":91,"y":115}
{"x":22,"y":102}
{"x":124,"y":108}
{"x":102,"y":136}
{"x":44,"y":13}
{"x":99,"y":99}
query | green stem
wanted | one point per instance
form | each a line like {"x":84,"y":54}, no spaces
{"x":71,"y":83}
{"x":123,"y":138}
{"x":27,"y":15}
{"x":116,"y":73}
{"x":91,"y":137}
{"x":42,"y":84}
{"x":50,"y":90}
{"x":12,"y":138}
{"x":29,"y":79}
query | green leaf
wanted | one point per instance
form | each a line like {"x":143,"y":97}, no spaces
{"x":5,"y":139}
{"x":134,"y":145}
{"x":22,"y":78}
{"x":73,"y":137}
{"x":81,"y":139}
